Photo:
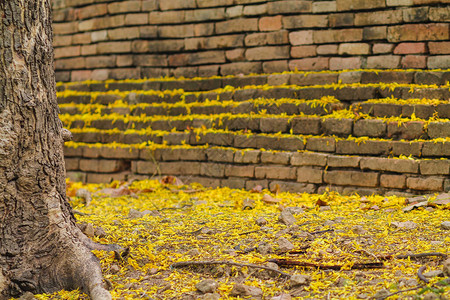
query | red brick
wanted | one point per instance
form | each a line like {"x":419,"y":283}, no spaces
{"x":414,"y":62}
{"x":418,"y":32}
{"x":410,"y":48}
{"x":425,"y":184}
{"x":439,"y":47}
{"x":166,"y":17}
{"x":303,"y":51}
{"x":237,"y":25}
{"x":343,"y":63}
{"x":92,"y":11}
{"x":124,"y":6}
{"x":81,"y":38}
{"x":239,"y":171}
{"x":378,"y":18}
{"x":351,"y":178}
{"x":70,"y":63}
{"x":304,"y":37}
{"x":65,"y":28}
{"x":176,"y":4}
{"x":354,"y":49}
{"x":67,"y":52}
{"x":269,"y":23}
{"x":382,"y":48}
{"x":267,"y":38}
{"x":393,"y":181}
{"x":305,"y":21}
{"x":235,"y":54}
{"x":338,"y":35}
{"x":309,"y":175}
{"x":383,"y":62}
{"x":327,"y":49}
{"x":292,"y":6}
{"x":203,"y":29}
{"x":308,"y":64}
{"x":359,"y":4}
{"x":267,"y":53}
{"x":208,"y":57}
{"x":274,"y":172}
{"x":141,"y":46}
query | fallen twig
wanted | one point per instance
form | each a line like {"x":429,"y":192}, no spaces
{"x":249,"y":232}
{"x":413,"y":256}
{"x":182,"y":264}
{"x":291,"y":263}
{"x":399,"y":292}
{"x":420,"y":274}
{"x":321,"y":231}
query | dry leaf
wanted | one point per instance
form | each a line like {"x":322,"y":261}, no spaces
{"x":321,"y":202}
{"x":269,"y":199}
{"x":172,"y":180}
{"x":276,"y":189}
{"x":256,"y":189}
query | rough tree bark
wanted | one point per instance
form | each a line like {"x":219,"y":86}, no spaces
{"x":41,"y":248}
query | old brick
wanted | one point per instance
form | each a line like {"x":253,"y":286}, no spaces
{"x":293,"y":187}
{"x":425,"y":184}
{"x":393,"y":181}
{"x":100,"y":166}
{"x":303,"y":51}
{"x":247,"y":156}
{"x":439,"y":47}
{"x":399,"y":2}
{"x":281,"y":158}
{"x":415,"y":14}
{"x":354,"y":49}
{"x":67,"y":51}
{"x":418,"y":32}
{"x":408,"y":130}
{"x":102,"y":178}
{"x":309,"y":175}
{"x":237,"y":25}
{"x":208,"y":57}
{"x":275,"y":172}
{"x":323,"y":6}
{"x":235,"y":54}
{"x":383,"y":62}
{"x":215,"y":42}
{"x":220,"y":155}
{"x":126,"y":33}
{"x":62,"y":40}
{"x":180,"y":168}
{"x":341,"y":20}
{"x":93,"y":62}
{"x":378,"y":18}
{"x":72,"y":164}
{"x":124,"y":6}
{"x":233,"y":183}
{"x":92,"y":11}
{"x":340,"y":127}
{"x":435,"y":167}
{"x":303,"y":37}
{"x":70,"y":63}
{"x":305,"y":21}
{"x":309,"y":159}
{"x":209,"y":3}
{"x":410,"y":48}
{"x":234,"y":11}
{"x":176,"y":31}
{"x":167,"y":17}
{"x":289,"y":6}
{"x":440,"y":14}
{"x":255,"y":10}
{"x":150,"y":5}
{"x":81,"y":38}
{"x":269,"y":23}
{"x":308,"y":64}
{"x":136,"y":19}
{"x":240,"y":67}
{"x":359,"y":4}
{"x":372,"y":147}
{"x":381,"y":48}
{"x":439,"y":62}
{"x":176,"y":4}
{"x":352,"y":178}
{"x":344,"y":63}
{"x":321,"y":144}
{"x":267,"y":38}
{"x":375,"y":33}
{"x":439,"y":129}
{"x":239,"y":171}
{"x":212,"y":170}
{"x":306,"y":126}
{"x":406,"y":148}
{"x":338,"y":35}
{"x":267,"y":53}
{"x":343,"y":161}
{"x":208,"y":14}
{"x":203,"y":29}
{"x":327,"y":49}
{"x":371,"y":128}
{"x":390,"y":165}
{"x":80,"y":75}
{"x":414,"y":62}
{"x":65,"y":28}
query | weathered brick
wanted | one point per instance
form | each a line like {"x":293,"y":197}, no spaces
{"x":321,"y":144}
{"x":323,"y":6}
{"x":371,"y":128}
{"x":383,"y":62}
{"x":92,"y":11}
{"x":234,"y":11}
{"x":378,"y":18}
{"x":176,"y":4}
{"x":439,"y":129}
{"x":293,"y":187}
{"x":309,"y":175}
{"x":124,"y":6}
{"x":303,"y":37}
{"x":136,"y":19}
{"x":101,"y":165}
{"x":440,"y":14}
{"x":399,"y":2}
{"x":239,"y":171}
{"x":269,"y":23}
{"x":255,"y":10}
{"x":281,"y":158}
{"x":425,"y":184}
{"x":415,"y":14}
{"x":418,"y":32}
{"x":275,"y":172}
{"x":372,"y":147}
{"x":67,"y":51}
{"x":208,"y":57}
{"x":338,"y":35}
{"x":208,"y":14}
{"x":343,"y":161}
{"x":435,"y":167}
{"x":212,"y":170}
{"x":359,"y":4}
{"x":233,"y":183}
{"x":327,"y":49}
{"x":340,"y":127}
{"x":439,"y":47}
{"x":203,"y":29}
{"x":215,"y":42}
{"x":306,"y":126}
{"x":303,"y":51}
{"x":70,"y":63}
{"x":65,"y":28}
{"x":62,"y":40}
{"x":93,"y":62}
{"x":247,"y":156}
{"x":240,"y":67}
{"x":410,"y":48}
{"x":176,"y":31}
{"x":305,"y":21}
{"x":220,"y":155}
{"x":390,"y":165}
{"x":113,"y":47}
{"x":267,"y":53}
{"x":307,"y":64}
{"x":102,"y":178}
{"x":309,"y":159}
{"x":354,"y":49}
{"x":126,"y":33}
{"x":237,"y":25}
{"x":393,"y":181}
{"x":375,"y":33}
{"x":289,"y":6}
{"x":343,"y":63}
{"x":180,"y":168}
{"x":235,"y":54}
{"x":352,"y":178}
{"x":267,"y":38}
{"x":439,"y":62}
{"x":406,"y":148}
{"x":341,"y":20}
{"x":209,"y":3}
{"x":72,"y":164}
{"x":102,"y":23}
{"x":381,"y":48}
{"x":150,"y":5}
{"x":167,"y":17}
{"x":408,"y":130}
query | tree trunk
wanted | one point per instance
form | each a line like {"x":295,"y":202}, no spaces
{"x":41,"y":248}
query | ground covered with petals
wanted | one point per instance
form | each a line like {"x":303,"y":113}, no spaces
{"x":335,"y":240}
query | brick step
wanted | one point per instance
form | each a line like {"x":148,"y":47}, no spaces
{"x":347,"y":125}
{"x":422,"y":111}
{"x":281,"y":142}
{"x":420,"y":77}
{"x":271,"y":106}
{"x":350,"y":93}
{"x":292,"y":170}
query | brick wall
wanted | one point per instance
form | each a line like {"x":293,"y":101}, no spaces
{"x":101,"y":39}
